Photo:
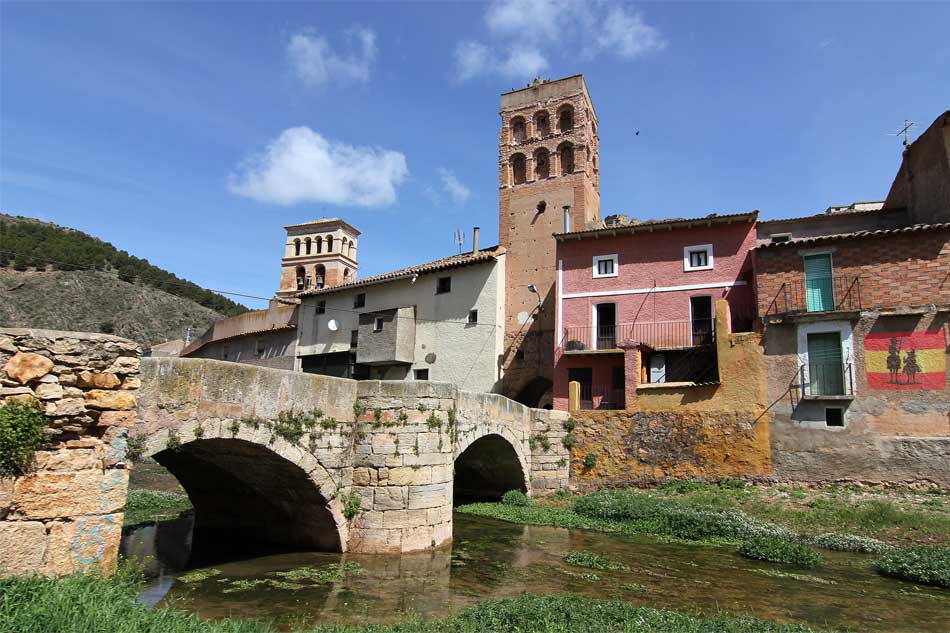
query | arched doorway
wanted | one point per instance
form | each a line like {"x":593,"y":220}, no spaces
{"x":487,"y":469}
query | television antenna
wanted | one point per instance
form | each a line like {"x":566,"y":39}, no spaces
{"x":459,"y":238}
{"x":905,"y":131}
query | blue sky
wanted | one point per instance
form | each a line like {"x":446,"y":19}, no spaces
{"x":189,"y":134}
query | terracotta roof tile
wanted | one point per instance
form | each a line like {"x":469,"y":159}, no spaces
{"x":856,"y":234}
{"x":653,"y":225}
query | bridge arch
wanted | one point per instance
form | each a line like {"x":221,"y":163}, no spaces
{"x":489,"y":461}
{"x":250,"y":491}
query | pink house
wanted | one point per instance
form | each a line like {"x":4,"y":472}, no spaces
{"x":652,"y":287}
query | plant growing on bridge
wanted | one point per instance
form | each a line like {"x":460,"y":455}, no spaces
{"x":328,"y":424}
{"x":134,"y":448}
{"x":403,"y":417}
{"x":198,"y":431}
{"x":433,"y":421}
{"x":173,"y":442}
{"x":590,"y":460}
{"x":539,"y":439}
{"x":422,"y":407}
{"x":21,"y":433}
{"x":252,"y":421}
{"x":358,"y":409}
{"x":378,"y":416}
{"x":352,"y":505}
{"x":234,"y":427}
{"x":569,"y":424}
{"x":568,"y":441}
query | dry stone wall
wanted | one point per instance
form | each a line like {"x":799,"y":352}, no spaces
{"x":65,"y":513}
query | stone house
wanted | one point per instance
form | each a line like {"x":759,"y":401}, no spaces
{"x":438,"y":321}
{"x":648,"y":289}
{"x":267,"y":338}
{"x":856,"y":340}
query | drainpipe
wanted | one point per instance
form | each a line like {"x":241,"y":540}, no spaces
{"x":567,"y":218}
{"x":475,"y":241}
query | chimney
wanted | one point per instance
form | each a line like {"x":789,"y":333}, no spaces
{"x":475,"y":240}
{"x":567,"y":218}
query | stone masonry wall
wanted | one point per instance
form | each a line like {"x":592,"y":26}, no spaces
{"x":65,"y":514}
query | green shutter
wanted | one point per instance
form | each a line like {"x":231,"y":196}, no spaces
{"x":825,"y":372}
{"x":819,"y":290}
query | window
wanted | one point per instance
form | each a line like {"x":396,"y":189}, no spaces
{"x":329,"y":243}
{"x":225,"y":352}
{"x":378,"y":324}
{"x":321,"y":307}
{"x":542,"y":164}
{"x":473,"y":316}
{"x":421,"y":374}
{"x":605,"y":266}
{"x":834,"y":416}
{"x":320,"y":274}
{"x":780,"y":238}
{"x":518,"y":130}
{"x":519,"y":169}
{"x":825,"y":366}
{"x":354,"y":338}
{"x":319,"y":244}
{"x":819,"y":282}
{"x":443,"y":286}
{"x":698,"y":257}
{"x":566,"y":152}
{"x":565,"y":119}
{"x":297,"y":248}
{"x":259,"y":346}
{"x":359,"y":300}
{"x":308,"y":243}
{"x":541,"y":125}
{"x":301,"y":278}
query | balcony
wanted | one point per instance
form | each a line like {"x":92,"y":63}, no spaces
{"x":822,"y":294}
{"x":600,"y":397}
{"x":660,"y":335}
{"x":826,"y":381}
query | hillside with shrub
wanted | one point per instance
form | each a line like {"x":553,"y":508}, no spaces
{"x":59,"y":278}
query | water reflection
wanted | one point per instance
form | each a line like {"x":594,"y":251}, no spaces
{"x":491,"y":559}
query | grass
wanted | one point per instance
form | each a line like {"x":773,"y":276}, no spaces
{"x":859,"y":519}
{"x":924,"y":565}
{"x":592,"y":561}
{"x":779,"y":550}
{"x":86,"y":603}
{"x":153,"y":505}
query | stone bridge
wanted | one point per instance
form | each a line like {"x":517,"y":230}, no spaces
{"x":276,"y":457}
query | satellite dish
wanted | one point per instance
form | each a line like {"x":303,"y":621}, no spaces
{"x":332,"y":325}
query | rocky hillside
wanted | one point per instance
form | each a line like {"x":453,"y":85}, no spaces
{"x":60,"y":278}
{"x":92,"y":301}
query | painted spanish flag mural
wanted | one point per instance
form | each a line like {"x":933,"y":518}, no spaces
{"x":906,"y":360}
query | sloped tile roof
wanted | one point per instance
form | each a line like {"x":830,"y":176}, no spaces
{"x":820,"y":239}
{"x":655,"y":225}
{"x":446,"y":263}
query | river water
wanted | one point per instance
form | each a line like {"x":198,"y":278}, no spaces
{"x":493,"y":559}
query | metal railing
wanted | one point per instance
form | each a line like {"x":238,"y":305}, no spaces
{"x":826,"y":379}
{"x":658,"y":335}
{"x":837,"y":292}
{"x":601,"y":397}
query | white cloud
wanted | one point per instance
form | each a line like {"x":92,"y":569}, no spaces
{"x":302,"y":166}
{"x":523,"y":35}
{"x":315,"y":63}
{"x":454,"y":187}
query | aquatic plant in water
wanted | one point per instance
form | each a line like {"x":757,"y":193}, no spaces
{"x":922,"y":564}
{"x":515,"y":498}
{"x":849,"y":543}
{"x":592,"y":560}
{"x":779,"y":550}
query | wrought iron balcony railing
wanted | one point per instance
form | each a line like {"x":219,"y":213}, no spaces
{"x":658,"y":335}
{"x":822,"y":294}
{"x":826,"y":379}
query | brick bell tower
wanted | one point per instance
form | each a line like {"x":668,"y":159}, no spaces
{"x":548,"y":159}
{"x":318,"y":254}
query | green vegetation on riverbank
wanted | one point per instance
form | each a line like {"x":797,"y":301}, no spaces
{"x":89,"y":604}
{"x":833,"y":518}
{"x":154,"y":505}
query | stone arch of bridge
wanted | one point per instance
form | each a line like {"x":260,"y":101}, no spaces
{"x":248,"y":491}
{"x":489,"y":461}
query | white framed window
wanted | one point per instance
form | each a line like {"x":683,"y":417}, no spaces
{"x":605,"y":266}
{"x":699,"y":257}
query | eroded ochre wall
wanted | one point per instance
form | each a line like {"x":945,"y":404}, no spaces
{"x":712,"y":431}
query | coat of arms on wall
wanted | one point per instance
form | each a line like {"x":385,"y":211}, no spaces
{"x":906,"y":360}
